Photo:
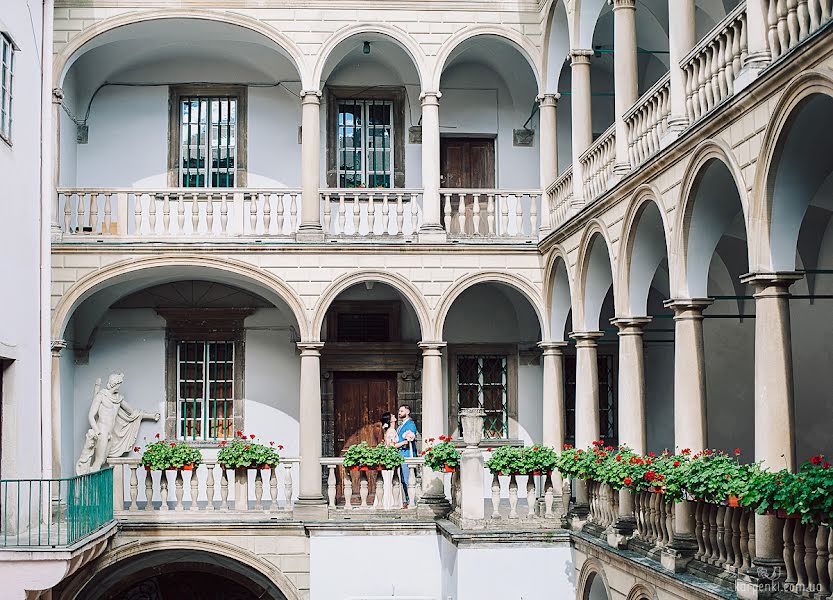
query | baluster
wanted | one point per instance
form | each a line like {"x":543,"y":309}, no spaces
{"x":823,"y":559}
{"x":825,"y":7}
{"x":209,"y":213}
{"x":447,"y":213}
{"x":799,"y":553}
{"x":293,"y":213}
{"x":701,"y":85}
{"x":461,"y":214}
{"x":108,"y":214}
{"x":254,"y":200}
{"x":79,"y":218}
{"x":396,"y":490}
{"x":721,"y":90}
{"x":287,"y":487}
{"x":549,"y":496}
{"x":67,"y":211}
{"x":490,"y":214}
{"x":179,"y":490}
{"x":166,"y":214}
{"x":363,"y":488}
{"x":331,"y":485}
{"x":810,"y":554}
{"x":348,"y":490}
{"x":342,"y":214}
{"x":698,"y":531}
{"x":475,"y":210}
{"x":772,"y":31}
{"x":803,"y":20}
{"x":414,"y":213}
{"x":733,"y":62}
{"x":814,"y":14}
{"x":223,"y":214}
{"x":504,"y":215}
{"x":93,"y":222}
{"x":258,"y":488}
{"x":163,"y":490}
{"x":531,"y":498}
{"x":223,"y":488}
{"x":789,"y":547}
{"x":209,"y":486}
{"x":273,"y":489}
{"x":379,"y":489}
{"x":357,"y":214}
{"x":519,"y":213}
{"x":149,"y":490}
{"x":413,"y":487}
{"x":180,"y":213}
{"x":513,"y":497}
{"x":533,"y":213}
{"x":371,"y":217}
{"x":386,"y":218}
{"x":280,"y":210}
{"x":737,"y":515}
{"x":727,"y":558}
{"x":267,"y":213}
{"x":783,"y":33}
{"x":661,"y":533}
{"x":689,"y":92}
{"x":134,"y":489}
{"x":195,"y":214}
{"x":792,"y":22}
{"x":328,"y":217}
{"x":830,"y":554}
{"x":400,"y":214}
{"x":195,"y":490}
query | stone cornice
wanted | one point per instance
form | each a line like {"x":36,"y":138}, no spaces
{"x":531,"y":6}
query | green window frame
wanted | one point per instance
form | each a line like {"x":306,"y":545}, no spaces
{"x":365,"y":143}
{"x":205,"y":384}
{"x":7,"y":52}
{"x":483,"y":382}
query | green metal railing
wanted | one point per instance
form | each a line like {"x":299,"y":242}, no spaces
{"x":54,"y":512}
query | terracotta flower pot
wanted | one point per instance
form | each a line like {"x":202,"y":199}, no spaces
{"x":734,"y":501}
{"x":364,"y":468}
{"x":782,"y":514}
{"x":187,"y":467}
{"x":354,"y":467}
{"x":448,"y":469}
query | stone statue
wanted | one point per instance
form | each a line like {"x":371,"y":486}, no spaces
{"x":114,"y":426}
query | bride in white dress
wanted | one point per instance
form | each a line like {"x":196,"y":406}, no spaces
{"x":385,"y":482}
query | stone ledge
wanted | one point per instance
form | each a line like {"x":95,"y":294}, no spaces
{"x":527,"y":537}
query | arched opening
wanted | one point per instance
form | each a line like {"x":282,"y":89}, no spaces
{"x":181,"y":575}
{"x":561,"y":324}
{"x":648,"y":287}
{"x":595,"y":588}
{"x":716,"y":257}
{"x":801,"y":238}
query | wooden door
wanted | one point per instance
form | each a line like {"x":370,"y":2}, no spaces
{"x":468,"y":163}
{"x":359,"y":400}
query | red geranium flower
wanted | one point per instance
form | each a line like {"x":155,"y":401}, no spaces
{"x":686,"y":450}
{"x":136,"y":448}
{"x":627,"y":481}
{"x":568,"y":446}
{"x":252,"y":436}
{"x":247,"y":447}
{"x":157,"y":436}
{"x":173,"y":444}
{"x":737,"y":451}
{"x":271,"y":443}
{"x":826,"y":465}
{"x":817,"y":459}
{"x":618,"y":458}
{"x":652,"y":454}
{"x":676,"y":463}
{"x":280,"y":447}
{"x":535,"y":449}
{"x":609,"y":448}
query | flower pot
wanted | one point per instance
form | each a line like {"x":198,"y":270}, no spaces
{"x":734,"y":501}
{"x":148,"y":469}
{"x":782,"y":514}
{"x":187,"y":467}
{"x":364,"y":468}
{"x":502,"y":474}
{"x":354,"y":467}
{"x":448,"y":469}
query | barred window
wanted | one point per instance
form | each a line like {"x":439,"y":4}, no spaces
{"x":482,"y":382}
{"x":7,"y":51}
{"x":365,"y":143}
{"x":205,"y":390}
{"x":208,"y":141}
{"x":608,"y":400}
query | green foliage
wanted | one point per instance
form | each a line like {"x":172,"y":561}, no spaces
{"x":539,"y":459}
{"x":364,"y":455}
{"x":161,"y":455}
{"x":441,"y":454}
{"x":244,"y":451}
{"x":388,"y":457}
{"x":508,"y":460}
{"x":807,"y":494}
{"x":715,"y":475}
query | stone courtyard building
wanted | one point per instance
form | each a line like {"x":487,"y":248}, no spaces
{"x":592,"y":219}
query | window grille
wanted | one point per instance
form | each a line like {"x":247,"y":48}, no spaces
{"x":482,"y":383}
{"x":7,"y":50}
{"x":365,"y":143}
{"x":205,"y":388}
{"x":608,"y":400}
{"x":208,"y":141}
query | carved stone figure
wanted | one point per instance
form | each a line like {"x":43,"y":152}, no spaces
{"x":114,"y":425}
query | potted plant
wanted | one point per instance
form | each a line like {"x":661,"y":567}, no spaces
{"x":506,"y":460}
{"x":388,"y":458}
{"x":360,"y":456}
{"x":244,"y":452}
{"x":539,"y":460}
{"x":715,"y":475}
{"x":442,"y":456}
{"x":162,"y":455}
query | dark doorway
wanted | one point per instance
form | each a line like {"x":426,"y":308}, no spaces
{"x":467,"y":163}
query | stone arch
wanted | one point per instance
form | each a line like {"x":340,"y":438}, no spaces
{"x":702,"y":158}
{"x":642,"y":200}
{"x":399,"y":283}
{"x":394,"y":34}
{"x":517,"y":283}
{"x":64,"y":59}
{"x":589,"y":259}
{"x":102,"y":278}
{"x":641,"y":591}
{"x":769,"y":247}
{"x":558,"y":304}
{"x":518,"y":41}
{"x":590,"y":571}
{"x":555,"y":50}
{"x":224,"y":549}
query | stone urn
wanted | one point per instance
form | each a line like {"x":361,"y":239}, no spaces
{"x":472,"y":420}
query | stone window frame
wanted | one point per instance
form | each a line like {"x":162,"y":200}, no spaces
{"x":175,"y":95}
{"x":203,"y":324}
{"x":395,"y":93}
{"x":511,"y":352}
{"x":8,"y":49}
{"x":392,"y":308}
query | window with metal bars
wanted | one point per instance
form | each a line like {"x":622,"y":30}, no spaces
{"x":205,"y":390}
{"x":208,"y":141}
{"x":482,"y":382}
{"x":365,"y":143}
{"x":608,"y":400}
{"x":7,"y":51}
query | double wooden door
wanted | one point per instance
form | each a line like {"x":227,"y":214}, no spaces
{"x":468,"y":163}
{"x":359,"y":400}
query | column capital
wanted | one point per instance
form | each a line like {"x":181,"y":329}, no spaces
{"x":552,"y":348}
{"x":631,"y":325}
{"x":586,"y":339}
{"x":310,"y":348}
{"x":580,"y":57}
{"x":430,"y":98}
{"x":57,"y":95}
{"x":688,"y":308}
{"x":310,"y":97}
{"x":56,"y":346}
{"x":620,"y":4}
{"x":775,"y":283}
{"x":432,"y":348}
{"x":548,"y":99}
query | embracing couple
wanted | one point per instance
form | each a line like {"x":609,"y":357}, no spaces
{"x":402,"y":437}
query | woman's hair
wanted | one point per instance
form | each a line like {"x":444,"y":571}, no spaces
{"x":385,"y":419}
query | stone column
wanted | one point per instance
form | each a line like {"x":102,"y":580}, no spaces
{"x":553,"y":404}
{"x":632,"y":382}
{"x":310,"y":503}
{"x":310,"y":228}
{"x":57,"y":346}
{"x":433,"y":500}
{"x":758,"y":56}
{"x":431,"y":229}
{"x":57,"y":99}
{"x":587,"y":407}
{"x":625,"y":76}
{"x":548,"y":168}
{"x":581,"y":112}
{"x":472,"y":509}
{"x":681,"y":39}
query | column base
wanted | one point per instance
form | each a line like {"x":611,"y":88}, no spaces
{"x":310,"y":232}
{"x":56,"y":234}
{"x":620,"y":169}
{"x":676,"y":556}
{"x":433,"y":507}
{"x":621,"y":532}
{"x":675,"y":127}
{"x":578,"y":516}
{"x":750,"y":70}
{"x":763,"y":580}
{"x":311,"y":509}
{"x":432,"y":234}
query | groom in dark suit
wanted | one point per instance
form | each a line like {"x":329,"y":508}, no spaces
{"x":406,"y":442}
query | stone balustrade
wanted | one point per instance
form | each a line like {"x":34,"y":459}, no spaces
{"x":370,"y":483}
{"x":360,"y":212}
{"x":808,"y":557}
{"x":561,"y":196}
{"x":490,"y":213}
{"x":597,"y":164}
{"x":792,"y":21}
{"x":725,"y":536}
{"x":604,"y":504}
{"x":647,"y":121}
{"x":207,"y":488}
{"x":654,"y":517}
{"x":540,"y":492}
{"x":713,"y":64}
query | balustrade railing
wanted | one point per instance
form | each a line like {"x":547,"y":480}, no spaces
{"x":712,"y":66}
{"x":808,"y":557}
{"x":361,"y":212}
{"x":561,"y":195}
{"x":604,"y":504}
{"x":647,"y":121}
{"x":491,"y":213}
{"x":597,"y":164}
{"x":207,"y":488}
{"x":725,"y":536}
{"x":654,"y":518}
{"x":791,"y":21}
{"x":539,"y":490}
{"x":366,"y":490}
{"x":181,"y":212}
